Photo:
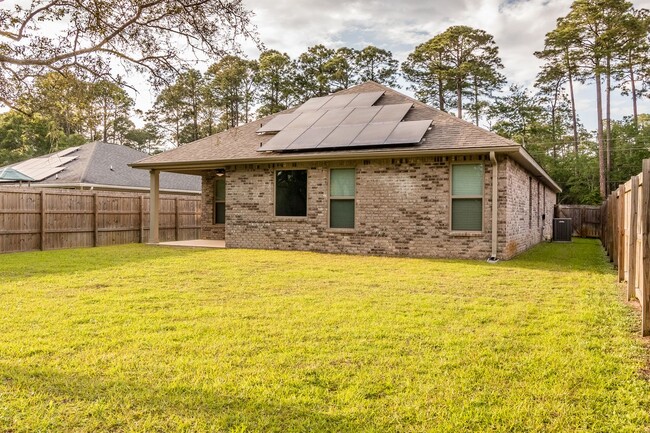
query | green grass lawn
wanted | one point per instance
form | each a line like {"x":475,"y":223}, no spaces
{"x":137,"y":338}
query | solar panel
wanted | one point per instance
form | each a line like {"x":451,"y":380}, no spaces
{"x":314,"y":103}
{"x":340,"y":101}
{"x":68,"y":151}
{"x":392,"y":113}
{"x":374,"y":133}
{"x":41,"y":168}
{"x":306,"y":119}
{"x":343,"y":121}
{"x":365,"y":99}
{"x":342,"y":136}
{"x":333,"y":117}
{"x":408,"y":132}
{"x":361,"y":116}
{"x":278,"y":123}
{"x":282,"y":140}
{"x":311,"y":138}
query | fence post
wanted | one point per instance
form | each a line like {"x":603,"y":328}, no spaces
{"x":141,"y":219}
{"x":645,"y":221}
{"x":631,"y":266}
{"x":176,"y":219}
{"x":620,"y":233}
{"x":614,"y":228}
{"x":95,"y":220}
{"x":43,"y":214}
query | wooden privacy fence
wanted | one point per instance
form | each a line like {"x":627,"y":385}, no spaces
{"x":625,"y":232}
{"x":585,"y":219}
{"x":43,"y":219}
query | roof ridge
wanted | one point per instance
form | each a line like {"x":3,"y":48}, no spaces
{"x":82,"y":178}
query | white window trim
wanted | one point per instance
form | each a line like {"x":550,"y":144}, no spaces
{"x":453,"y":197}
{"x":331,"y":197}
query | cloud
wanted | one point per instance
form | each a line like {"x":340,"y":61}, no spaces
{"x":518,"y":26}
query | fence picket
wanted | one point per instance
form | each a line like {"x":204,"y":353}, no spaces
{"x":625,"y":235}
{"x":39,"y":219}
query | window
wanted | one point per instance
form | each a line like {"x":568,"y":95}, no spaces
{"x":342,"y":192}
{"x":220,"y":200}
{"x":467,"y":197}
{"x":291,"y":193}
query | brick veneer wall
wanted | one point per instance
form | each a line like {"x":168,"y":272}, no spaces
{"x":402,"y":208}
{"x":210,"y":230}
{"x":528,"y":200}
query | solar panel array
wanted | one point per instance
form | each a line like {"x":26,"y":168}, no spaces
{"x":42,"y":168}
{"x":342,"y":121}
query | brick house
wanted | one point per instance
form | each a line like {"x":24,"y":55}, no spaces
{"x":367,"y":170}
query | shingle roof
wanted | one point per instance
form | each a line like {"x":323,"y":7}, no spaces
{"x":99,"y":163}
{"x":241,"y":143}
{"x":448,"y":134}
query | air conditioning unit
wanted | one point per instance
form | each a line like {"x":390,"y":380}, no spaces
{"x":562,"y":229}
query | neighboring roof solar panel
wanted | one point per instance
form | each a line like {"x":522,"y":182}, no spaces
{"x":392,"y":113}
{"x":314,"y":103}
{"x":342,"y":136}
{"x":68,"y":151}
{"x":340,"y":101}
{"x":310,"y":138}
{"x":333,"y":117}
{"x":374,"y":134}
{"x":282,"y":140}
{"x":408,"y":132}
{"x":365,"y":99}
{"x":44,"y":173}
{"x":41,"y":168}
{"x":361,"y":116}
{"x":278,"y":123}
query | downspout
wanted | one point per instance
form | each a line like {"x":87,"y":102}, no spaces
{"x":495,"y":207}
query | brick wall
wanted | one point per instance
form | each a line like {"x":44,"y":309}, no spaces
{"x":402,"y":208}
{"x":528,"y":200}
{"x":210,"y":230}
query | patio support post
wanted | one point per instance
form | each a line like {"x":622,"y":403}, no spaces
{"x":154,"y":206}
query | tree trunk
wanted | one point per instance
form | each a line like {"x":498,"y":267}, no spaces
{"x":608,"y":120}
{"x":105,"y":122}
{"x":599,"y":133}
{"x":635,"y":112}
{"x":476,"y":110}
{"x":441,"y":94}
{"x":573,"y":104}
{"x":459,"y":98}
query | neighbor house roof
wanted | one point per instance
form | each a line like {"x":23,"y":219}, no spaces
{"x":101,"y":165}
{"x":447,"y":135}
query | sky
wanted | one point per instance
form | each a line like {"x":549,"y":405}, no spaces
{"x":518,"y":27}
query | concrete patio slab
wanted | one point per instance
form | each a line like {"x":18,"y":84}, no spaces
{"x":195,"y":243}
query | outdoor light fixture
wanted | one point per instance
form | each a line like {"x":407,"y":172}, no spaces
{"x":220,"y":172}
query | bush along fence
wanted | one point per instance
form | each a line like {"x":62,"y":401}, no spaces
{"x":43,"y":219}
{"x":625,"y":222}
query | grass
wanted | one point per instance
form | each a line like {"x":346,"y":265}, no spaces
{"x":141,"y":339}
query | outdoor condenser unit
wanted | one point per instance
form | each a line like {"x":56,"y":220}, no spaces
{"x":562,"y":229}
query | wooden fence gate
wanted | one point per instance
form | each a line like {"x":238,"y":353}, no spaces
{"x":43,"y":219}
{"x":585,"y":219}
{"x":625,"y":234}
